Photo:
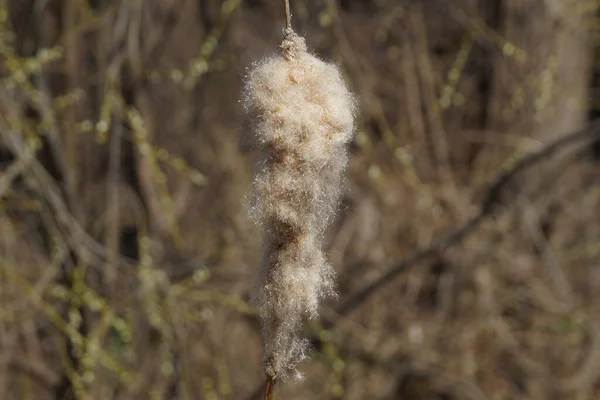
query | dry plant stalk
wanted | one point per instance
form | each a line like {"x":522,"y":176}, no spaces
{"x":303,"y":117}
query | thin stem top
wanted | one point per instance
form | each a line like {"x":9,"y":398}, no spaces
{"x":288,"y":15}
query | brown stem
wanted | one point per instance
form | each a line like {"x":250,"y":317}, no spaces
{"x":288,"y":15}
{"x":269,"y":386}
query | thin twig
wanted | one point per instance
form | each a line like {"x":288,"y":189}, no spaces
{"x":489,"y":204}
{"x":288,"y":15}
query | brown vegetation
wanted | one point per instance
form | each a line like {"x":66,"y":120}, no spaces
{"x":126,"y":253}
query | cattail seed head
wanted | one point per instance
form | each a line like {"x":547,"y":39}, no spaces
{"x":303,"y":118}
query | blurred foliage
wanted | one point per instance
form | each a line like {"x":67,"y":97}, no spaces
{"x":126,"y":255}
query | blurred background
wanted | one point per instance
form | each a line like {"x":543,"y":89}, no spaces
{"x":126,"y":253}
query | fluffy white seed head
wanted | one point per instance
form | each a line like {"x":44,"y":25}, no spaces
{"x":303,"y":117}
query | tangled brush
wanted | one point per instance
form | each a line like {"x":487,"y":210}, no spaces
{"x":303,"y":117}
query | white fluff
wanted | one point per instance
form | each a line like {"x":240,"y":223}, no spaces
{"x":303,"y":118}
